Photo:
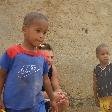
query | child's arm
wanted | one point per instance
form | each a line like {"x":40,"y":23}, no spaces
{"x":2,"y":80}
{"x":4,"y":67}
{"x":54,"y":82}
{"x":49,"y":91}
{"x":60,"y":95}
{"x":95,"y":90}
{"x":54,"y":79}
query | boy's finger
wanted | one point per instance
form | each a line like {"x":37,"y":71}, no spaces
{"x":2,"y":110}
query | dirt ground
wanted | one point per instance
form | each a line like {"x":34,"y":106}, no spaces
{"x":84,"y":109}
{"x":76,"y":27}
{"x":82,"y":105}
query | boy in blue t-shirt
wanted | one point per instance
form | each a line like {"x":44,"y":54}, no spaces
{"x":23,"y":70}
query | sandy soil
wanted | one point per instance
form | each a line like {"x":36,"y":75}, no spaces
{"x":84,"y":109}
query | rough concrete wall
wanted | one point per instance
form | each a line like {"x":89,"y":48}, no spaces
{"x":76,"y":28}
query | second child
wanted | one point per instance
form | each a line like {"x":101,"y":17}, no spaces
{"x":62,"y":99}
{"x":102,"y":79}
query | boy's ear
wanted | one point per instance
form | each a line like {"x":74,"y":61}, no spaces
{"x":24,"y":28}
{"x":96,"y":55}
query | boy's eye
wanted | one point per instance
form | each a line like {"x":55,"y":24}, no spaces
{"x":105,"y":53}
{"x":52,"y":57}
{"x":102,"y":54}
{"x":37,"y":30}
{"x":40,"y":31}
{"x":44,"y":33}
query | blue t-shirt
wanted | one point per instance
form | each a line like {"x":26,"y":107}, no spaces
{"x":23,"y":84}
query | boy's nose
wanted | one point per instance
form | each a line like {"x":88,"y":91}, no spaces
{"x":106,"y":55}
{"x":50,"y":60}
{"x":41,"y":35}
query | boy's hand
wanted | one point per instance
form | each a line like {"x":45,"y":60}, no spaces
{"x":61,"y":96}
{"x":110,"y":106}
{"x":2,"y":110}
{"x":1,"y":105}
{"x":57,"y":96}
{"x":54,"y":106}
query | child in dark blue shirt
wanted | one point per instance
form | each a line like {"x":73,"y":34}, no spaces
{"x":102,"y":79}
{"x":23,"y":70}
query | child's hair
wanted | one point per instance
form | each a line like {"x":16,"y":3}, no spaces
{"x":103,"y":45}
{"x":45,"y":46}
{"x":30,"y":17}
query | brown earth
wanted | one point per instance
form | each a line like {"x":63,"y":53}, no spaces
{"x":76,"y":28}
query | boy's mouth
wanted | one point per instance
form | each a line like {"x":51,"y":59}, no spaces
{"x":106,"y":59}
{"x":37,"y":43}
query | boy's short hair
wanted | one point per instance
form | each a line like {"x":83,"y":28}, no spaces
{"x":45,"y":46}
{"x":102,"y":45}
{"x":30,"y":17}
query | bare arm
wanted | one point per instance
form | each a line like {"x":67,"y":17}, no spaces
{"x":49,"y":91}
{"x":54,"y":79}
{"x":60,"y":95}
{"x":48,"y":87}
{"x":2,"y":80}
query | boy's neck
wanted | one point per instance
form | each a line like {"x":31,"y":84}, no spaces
{"x":49,"y":66}
{"x":27,"y":47}
{"x":103,"y":65}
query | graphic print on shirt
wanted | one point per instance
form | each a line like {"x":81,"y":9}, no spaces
{"x":27,"y":70}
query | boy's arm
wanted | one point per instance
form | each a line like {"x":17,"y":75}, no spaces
{"x":54,"y":79}
{"x":48,"y":87}
{"x":2,"y":80}
{"x":49,"y":91}
{"x":95,"y":90}
{"x":58,"y":92}
{"x":4,"y":66}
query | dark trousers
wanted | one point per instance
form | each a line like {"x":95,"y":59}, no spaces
{"x":47,"y":106}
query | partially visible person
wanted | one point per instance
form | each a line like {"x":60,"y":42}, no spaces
{"x":102,"y":79}
{"x":62,"y":99}
{"x":23,"y":70}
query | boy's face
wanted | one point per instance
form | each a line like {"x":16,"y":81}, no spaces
{"x":34,"y":34}
{"x":49,"y":56}
{"x":103,"y":55}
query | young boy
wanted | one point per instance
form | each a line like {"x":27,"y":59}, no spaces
{"x":62,"y":99}
{"x":23,"y":70}
{"x":102,"y":79}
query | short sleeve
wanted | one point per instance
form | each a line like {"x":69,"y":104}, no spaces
{"x":4,"y":62}
{"x":45,"y":67}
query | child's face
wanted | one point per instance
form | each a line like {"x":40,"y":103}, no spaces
{"x":34,"y":34}
{"x":103,"y":55}
{"x":49,"y":56}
